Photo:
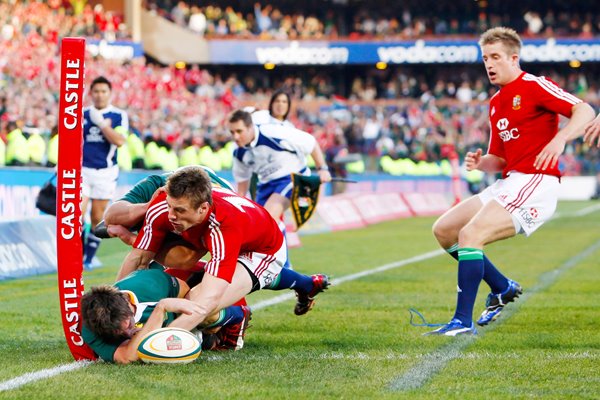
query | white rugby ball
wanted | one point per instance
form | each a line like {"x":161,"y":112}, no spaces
{"x":169,"y":346}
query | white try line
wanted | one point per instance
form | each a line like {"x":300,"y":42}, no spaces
{"x":50,"y":372}
{"x":43,"y":374}
{"x":431,"y":364}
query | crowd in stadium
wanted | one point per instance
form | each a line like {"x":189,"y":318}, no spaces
{"x":396,"y":20}
{"x":182,"y":108}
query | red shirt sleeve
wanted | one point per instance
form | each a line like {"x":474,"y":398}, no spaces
{"x":551,"y":97}
{"x":156,"y":226}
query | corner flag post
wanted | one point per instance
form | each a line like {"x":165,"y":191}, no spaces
{"x":68,"y":201}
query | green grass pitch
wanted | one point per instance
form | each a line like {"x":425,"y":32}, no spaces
{"x":357,"y":342}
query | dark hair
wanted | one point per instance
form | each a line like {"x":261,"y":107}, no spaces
{"x":241,"y":115}
{"x":99,"y":80}
{"x":103,"y":310}
{"x":191,"y":182}
{"x":275,"y":96}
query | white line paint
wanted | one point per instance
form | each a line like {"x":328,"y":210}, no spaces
{"x":43,"y":374}
{"x":48,"y":373}
{"x":579,"y":213}
{"x":432,"y":363}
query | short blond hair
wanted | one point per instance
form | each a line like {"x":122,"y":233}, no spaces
{"x":507,"y":36}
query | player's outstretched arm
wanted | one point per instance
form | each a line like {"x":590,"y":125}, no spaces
{"x":136,"y":259}
{"x":592,"y":132}
{"x":207,"y":296}
{"x":124,"y":213}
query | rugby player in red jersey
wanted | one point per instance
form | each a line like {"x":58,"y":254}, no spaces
{"x":525,"y":144}
{"x":247,"y":248}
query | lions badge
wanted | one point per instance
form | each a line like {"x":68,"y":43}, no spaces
{"x":516,"y":103}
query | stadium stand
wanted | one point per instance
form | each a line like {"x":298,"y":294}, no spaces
{"x":396,"y":117}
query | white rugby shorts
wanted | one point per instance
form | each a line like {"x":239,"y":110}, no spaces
{"x":100,"y":183}
{"x":265,"y":267}
{"x":529,"y":198}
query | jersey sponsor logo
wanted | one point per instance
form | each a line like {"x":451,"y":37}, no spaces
{"x":529,"y":216}
{"x":505,"y":133}
{"x":516,"y":103}
{"x":95,"y":135}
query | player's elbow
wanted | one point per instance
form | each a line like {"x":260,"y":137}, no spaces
{"x":586,"y":111}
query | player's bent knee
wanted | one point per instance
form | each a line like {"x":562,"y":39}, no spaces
{"x":469,"y":236}
{"x":442,"y":231}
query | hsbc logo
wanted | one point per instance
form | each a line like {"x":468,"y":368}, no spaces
{"x":505,"y":133}
{"x":502,"y":124}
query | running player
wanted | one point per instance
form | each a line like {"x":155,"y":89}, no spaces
{"x":525,"y":144}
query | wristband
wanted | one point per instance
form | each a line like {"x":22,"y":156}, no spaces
{"x":324,"y":168}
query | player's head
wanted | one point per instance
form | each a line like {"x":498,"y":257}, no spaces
{"x":279,"y":106}
{"x":108,"y":313}
{"x":189,"y":197}
{"x":500,"y":49}
{"x":100,"y":90}
{"x":241,"y":127}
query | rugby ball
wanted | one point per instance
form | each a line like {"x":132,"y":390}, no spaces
{"x":169,"y":346}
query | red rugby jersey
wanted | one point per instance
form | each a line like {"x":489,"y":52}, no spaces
{"x":233,"y":225}
{"x":524,"y":119}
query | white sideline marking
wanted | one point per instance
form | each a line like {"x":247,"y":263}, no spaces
{"x":579,"y":213}
{"x":50,"y":372}
{"x":42,"y":374}
{"x":433,"y":362}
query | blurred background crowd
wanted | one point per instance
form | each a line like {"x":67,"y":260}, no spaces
{"x":401,"y":112}
{"x":380,"y":20}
